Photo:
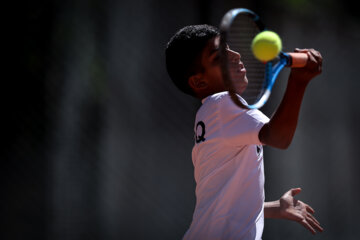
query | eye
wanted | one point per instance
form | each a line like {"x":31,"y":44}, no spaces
{"x":216,"y":58}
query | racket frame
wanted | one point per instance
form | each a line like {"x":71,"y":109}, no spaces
{"x":271,"y":71}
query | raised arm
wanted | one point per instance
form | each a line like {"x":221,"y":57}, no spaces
{"x":279,"y":131}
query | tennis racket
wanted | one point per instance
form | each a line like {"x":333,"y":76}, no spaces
{"x":238,"y":28}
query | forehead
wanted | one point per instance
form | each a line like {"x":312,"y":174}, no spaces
{"x":211,"y":46}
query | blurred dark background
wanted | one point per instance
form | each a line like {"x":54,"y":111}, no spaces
{"x":97,"y":141}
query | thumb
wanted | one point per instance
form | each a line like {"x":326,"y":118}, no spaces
{"x":294,"y":191}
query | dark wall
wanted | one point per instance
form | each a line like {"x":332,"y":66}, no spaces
{"x":98,"y":140}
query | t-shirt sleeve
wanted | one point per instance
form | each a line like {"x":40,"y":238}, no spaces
{"x":240,"y":126}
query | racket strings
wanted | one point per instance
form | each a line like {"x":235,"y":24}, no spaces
{"x":239,"y":38}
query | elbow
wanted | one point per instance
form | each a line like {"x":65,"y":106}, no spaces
{"x":280,"y":141}
{"x":283,"y":143}
{"x":284,"y":146}
{"x":275,"y":139}
{"x":277,"y":143}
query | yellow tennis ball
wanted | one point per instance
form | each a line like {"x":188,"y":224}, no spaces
{"x":266,"y":45}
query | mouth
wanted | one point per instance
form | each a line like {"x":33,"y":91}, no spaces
{"x":242,"y":70}
{"x":238,"y":67}
{"x":237,"y":70}
{"x":242,"y":67}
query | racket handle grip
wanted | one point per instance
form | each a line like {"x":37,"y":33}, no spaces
{"x":298,"y":60}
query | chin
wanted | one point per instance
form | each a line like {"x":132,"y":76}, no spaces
{"x":241,"y":89}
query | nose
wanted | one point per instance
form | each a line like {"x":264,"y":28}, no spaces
{"x":234,"y":56}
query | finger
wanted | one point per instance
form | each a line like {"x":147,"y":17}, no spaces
{"x":318,"y":57}
{"x":313,"y":218}
{"x":311,"y":52}
{"x":301,"y":50}
{"x":308,"y":226}
{"x":309,"y":209}
{"x":317,"y":54}
{"x":315,"y":62}
{"x":312,"y":56}
{"x":314,"y":224}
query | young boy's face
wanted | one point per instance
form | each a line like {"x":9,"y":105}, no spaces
{"x":210,"y":61}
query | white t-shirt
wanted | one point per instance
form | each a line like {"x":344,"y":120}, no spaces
{"x":229,"y":172}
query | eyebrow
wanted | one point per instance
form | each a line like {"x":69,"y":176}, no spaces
{"x":216,"y":49}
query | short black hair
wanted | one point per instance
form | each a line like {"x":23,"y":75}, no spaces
{"x":183,"y":53}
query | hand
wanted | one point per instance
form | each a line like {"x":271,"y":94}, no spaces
{"x":298,"y":211}
{"x":311,"y":69}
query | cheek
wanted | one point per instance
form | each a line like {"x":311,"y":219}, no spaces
{"x":215,"y":76}
{"x":218,"y":73}
{"x":219,"y":77}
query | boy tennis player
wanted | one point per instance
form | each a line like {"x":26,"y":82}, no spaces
{"x":228,"y":155}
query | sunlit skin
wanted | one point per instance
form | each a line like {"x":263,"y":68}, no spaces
{"x":279,"y":131}
{"x":210,"y":81}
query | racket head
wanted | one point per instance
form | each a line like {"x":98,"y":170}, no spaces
{"x":237,"y":29}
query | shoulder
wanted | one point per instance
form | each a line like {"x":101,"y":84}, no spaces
{"x":214,"y":104}
{"x":217,"y":98}
{"x":222,"y":104}
{"x":223,"y":101}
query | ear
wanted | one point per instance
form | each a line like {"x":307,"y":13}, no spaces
{"x":197,"y":82}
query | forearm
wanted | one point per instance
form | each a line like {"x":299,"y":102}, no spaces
{"x":279,"y":131}
{"x":272,"y":209}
